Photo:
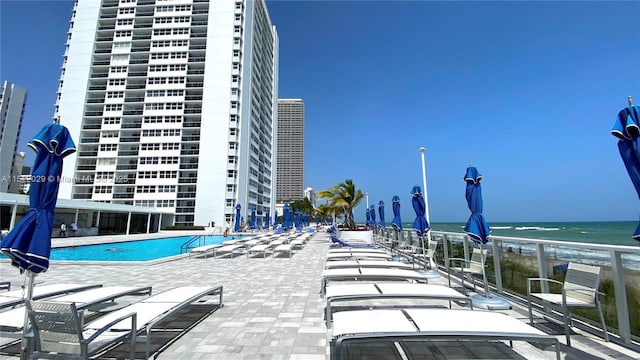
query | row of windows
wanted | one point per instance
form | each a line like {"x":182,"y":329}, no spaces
{"x":169,"y":8}
{"x":163,"y":106}
{"x":160,"y":93}
{"x":160,"y":118}
{"x":159,"y":203}
{"x":108,"y":147}
{"x":153,"y":188}
{"x":166,"y":80}
{"x":169,"y":55}
{"x":163,"y":174}
{"x":167,"y":43}
{"x":176,"y":31}
{"x":117,"y":82}
{"x":161,"y":132}
{"x":174,"y":20}
{"x":158,"y":146}
{"x":173,"y":67}
{"x":159,"y":160}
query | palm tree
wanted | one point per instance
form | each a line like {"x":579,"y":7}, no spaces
{"x":344,"y":198}
{"x":323,"y":212}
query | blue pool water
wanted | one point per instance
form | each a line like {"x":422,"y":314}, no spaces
{"x":141,"y":250}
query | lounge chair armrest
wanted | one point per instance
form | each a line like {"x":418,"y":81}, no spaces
{"x":133,"y":317}
{"x":530,"y":280}
{"x":464,"y":261}
{"x":584,"y":291}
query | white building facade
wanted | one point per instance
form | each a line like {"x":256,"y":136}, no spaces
{"x":13,"y":99}
{"x":173,"y":104}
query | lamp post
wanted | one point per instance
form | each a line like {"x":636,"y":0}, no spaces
{"x":426,"y":203}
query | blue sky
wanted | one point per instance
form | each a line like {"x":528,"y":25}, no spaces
{"x":526,"y":91}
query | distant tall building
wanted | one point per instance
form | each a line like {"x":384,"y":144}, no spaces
{"x":310,"y":194}
{"x":290,"y":159}
{"x":16,"y":185}
{"x":172,"y":104}
{"x":12,"y":102}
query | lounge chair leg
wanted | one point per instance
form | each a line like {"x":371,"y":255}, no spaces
{"x":604,"y":325}
{"x":567,"y":315}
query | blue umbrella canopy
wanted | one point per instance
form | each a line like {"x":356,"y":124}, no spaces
{"x":381,"y":213}
{"x":252,"y":221}
{"x":396,"y":222}
{"x":476,"y":227}
{"x":627,"y":130}
{"x":267,"y":219}
{"x":419,"y":206}
{"x":28,"y":245}
{"x":236,"y":226}
{"x":372,"y":211}
{"x":368,"y":215}
{"x":275,"y":219}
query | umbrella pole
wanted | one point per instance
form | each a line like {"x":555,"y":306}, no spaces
{"x":24,"y":348}
{"x":484,"y":273}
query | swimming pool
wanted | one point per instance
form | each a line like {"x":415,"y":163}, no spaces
{"x":139,"y":250}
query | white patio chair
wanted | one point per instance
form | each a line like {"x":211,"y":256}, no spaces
{"x":474,"y":266}
{"x":580,"y":288}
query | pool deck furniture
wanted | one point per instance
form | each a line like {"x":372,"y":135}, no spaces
{"x":283,"y":249}
{"x":396,"y":291}
{"x":17,"y":297}
{"x":5,"y":285}
{"x":12,"y":321}
{"x":369,"y":274}
{"x":432,"y":325}
{"x":204,"y":250}
{"x":156,"y":308}
{"x":358,"y":255}
{"x":227,"y":250}
{"x":368,"y":263}
{"x":259,"y":249}
{"x":58,"y":332}
{"x":580,"y":289}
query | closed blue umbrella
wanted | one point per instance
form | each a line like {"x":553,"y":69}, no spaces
{"x":368,"y":215}
{"x":372,"y":211}
{"x":236,"y":226}
{"x":252,"y":221}
{"x":275,"y":219}
{"x":267,"y":219}
{"x":28,"y":245}
{"x":627,"y":130}
{"x":419,"y":206}
{"x":478,"y":230}
{"x":287,"y":217}
{"x":381,"y":213}
{"x":396,"y":222}
{"x":476,"y":227}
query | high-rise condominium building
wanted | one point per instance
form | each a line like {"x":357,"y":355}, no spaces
{"x":12,"y":102}
{"x":172,"y":104}
{"x":290,"y":162}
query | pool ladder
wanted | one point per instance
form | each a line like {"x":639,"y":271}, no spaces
{"x":188,"y":244}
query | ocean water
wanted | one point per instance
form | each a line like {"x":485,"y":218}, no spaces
{"x":604,"y":232}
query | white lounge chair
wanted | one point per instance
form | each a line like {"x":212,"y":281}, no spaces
{"x":359,"y":255}
{"x":283,"y":249}
{"x":58,"y":332}
{"x":368,"y":264}
{"x":431,"y":325}
{"x":156,"y":308}
{"x":12,"y":321}
{"x":415,"y":291}
{"x":17,"y":297}
{"x":204,"y":250}
{"x":227,"y":250}
{"x":356,"y":250}
{"x":580,"y":289}
{"x":369,"y":274}
{"x":259,"y":249}
{"x":5,"y":285}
